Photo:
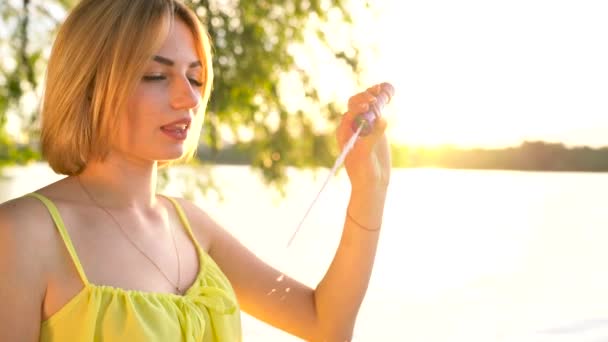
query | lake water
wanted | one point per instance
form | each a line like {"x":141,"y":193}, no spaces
{"x":463,"y":255}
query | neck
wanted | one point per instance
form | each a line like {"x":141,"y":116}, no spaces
{"x":120,"y":184}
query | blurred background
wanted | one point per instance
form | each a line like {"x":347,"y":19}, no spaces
{"x":495,"y":222}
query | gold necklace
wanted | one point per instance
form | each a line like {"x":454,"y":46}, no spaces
{"x":176,"y":286}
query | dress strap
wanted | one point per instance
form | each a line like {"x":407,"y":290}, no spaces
{"x":63,"y":232}
{"x":184,"y":219}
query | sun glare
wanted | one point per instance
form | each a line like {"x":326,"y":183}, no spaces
{"x":475,"y":73}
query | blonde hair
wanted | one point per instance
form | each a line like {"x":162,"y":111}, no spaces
{"x":96,"y":62}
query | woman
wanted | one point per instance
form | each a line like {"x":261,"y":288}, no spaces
{"x":99,"y":255}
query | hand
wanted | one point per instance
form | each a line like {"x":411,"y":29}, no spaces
{"x":368,"y":164}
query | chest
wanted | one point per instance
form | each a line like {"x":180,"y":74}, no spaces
{"x":148,"y":256}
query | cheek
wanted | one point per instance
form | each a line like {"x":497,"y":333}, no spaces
{"x":132,"y":122}
{"x":143,"y":108}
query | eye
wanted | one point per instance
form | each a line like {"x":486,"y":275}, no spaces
{"x":195,"y":82}
{"x":150,"y":78}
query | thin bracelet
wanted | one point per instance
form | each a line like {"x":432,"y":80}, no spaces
{"x":360,"y":225}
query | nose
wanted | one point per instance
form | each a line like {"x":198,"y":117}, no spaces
{"x":184,"y":95}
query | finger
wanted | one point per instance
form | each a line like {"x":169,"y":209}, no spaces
{"x":383,"y":93}
{"x":366,"y":104}
{"x":359,"y":103}
{"x":375,"y":90}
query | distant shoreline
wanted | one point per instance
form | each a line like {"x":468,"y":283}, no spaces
{"x":529,"y":156}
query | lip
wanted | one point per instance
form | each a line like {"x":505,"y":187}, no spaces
{"x":174,"y":132}
{"x":183,"y":121}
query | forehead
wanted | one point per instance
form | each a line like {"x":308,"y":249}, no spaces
{"x":179,"y":45}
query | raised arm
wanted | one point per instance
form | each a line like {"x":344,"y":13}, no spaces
{"x":328,"y":312}
{"x":340,"y":293}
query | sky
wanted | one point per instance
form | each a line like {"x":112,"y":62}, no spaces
{"x":481,"y":73}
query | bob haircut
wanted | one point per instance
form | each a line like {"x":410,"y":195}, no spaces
{"x":96,"y":62}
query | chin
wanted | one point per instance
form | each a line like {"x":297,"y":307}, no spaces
{"x":171,"y":155}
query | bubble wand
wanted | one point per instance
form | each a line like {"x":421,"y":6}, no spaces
{"x":362,"y":125}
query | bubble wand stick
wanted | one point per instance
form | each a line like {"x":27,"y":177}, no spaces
{"x":362,"y":126}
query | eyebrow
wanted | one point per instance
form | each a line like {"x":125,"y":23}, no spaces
{"x":167,"y":61}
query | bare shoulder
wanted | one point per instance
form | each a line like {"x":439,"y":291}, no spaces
{"x":204,"y":227}
{"x":24,"y":220}
{"x":26,"y":230}
{"x":24,"y":258}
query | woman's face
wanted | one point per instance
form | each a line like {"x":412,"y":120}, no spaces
{"x":162,"y":108}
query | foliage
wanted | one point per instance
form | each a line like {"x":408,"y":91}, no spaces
{"x":252,"y":43}
{"x":11,"y":153}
